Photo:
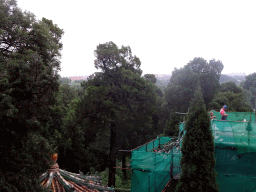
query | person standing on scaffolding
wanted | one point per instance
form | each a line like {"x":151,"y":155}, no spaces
{"x":211,"y":115}
{"x":223,"y":113}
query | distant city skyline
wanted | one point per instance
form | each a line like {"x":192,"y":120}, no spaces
{"x":237,"y":74}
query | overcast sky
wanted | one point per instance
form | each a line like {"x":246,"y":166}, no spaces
{"x":163,"y":34}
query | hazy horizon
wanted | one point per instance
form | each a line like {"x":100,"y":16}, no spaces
{"x":164,"y":34}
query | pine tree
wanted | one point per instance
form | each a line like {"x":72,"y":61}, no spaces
{"x":120,"y":102}
{"x":198,"y":161}
{"x":29,"y":65}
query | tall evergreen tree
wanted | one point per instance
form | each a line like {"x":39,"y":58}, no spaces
{"x":118,"y":102}
{"x":198,"y":161}
{"x":29,"y":62}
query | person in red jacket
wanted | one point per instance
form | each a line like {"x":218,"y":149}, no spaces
{"x":223,"y":113}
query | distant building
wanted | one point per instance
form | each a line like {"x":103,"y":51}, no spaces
{"x":237,"y":74}
{"x":73,"y":78}
{"x":163,"y":75}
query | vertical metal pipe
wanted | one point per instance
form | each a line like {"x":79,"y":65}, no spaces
{"x":149,"y":183}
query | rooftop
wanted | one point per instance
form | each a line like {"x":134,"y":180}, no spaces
{"x":59,"y":180}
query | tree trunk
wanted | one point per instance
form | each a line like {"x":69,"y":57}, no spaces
{"x":112,"y":158}
{"x":124,"y":165}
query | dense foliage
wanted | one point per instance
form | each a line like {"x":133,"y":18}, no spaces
{"x":232,"y":96}
{"x":250,"y":85}
{"x":183,"y":82}
{"x":29,"y":57}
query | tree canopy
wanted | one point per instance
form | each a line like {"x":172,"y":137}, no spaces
{"x":29,"y":57}
{"x":109,"y":56}
{"x":184,"y":80}
{"x":151,"y":78}
{"x":232,"y":96}
{"x":250,"y":85}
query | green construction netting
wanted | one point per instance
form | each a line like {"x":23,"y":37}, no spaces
{"x":151,"y":170}
{"x":235,"y":172}
{"x":235,"y":152}
{"x":240,"y":135}
{"x":237,"y":133}
{"x":155,"y":144}
{"x":236,"y":183}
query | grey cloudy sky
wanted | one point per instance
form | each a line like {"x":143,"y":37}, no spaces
{"x":163,"y":34}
